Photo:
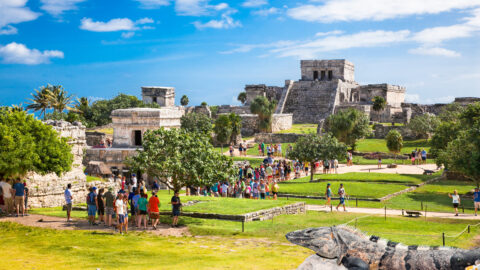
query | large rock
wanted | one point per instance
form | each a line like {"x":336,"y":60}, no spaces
{"x":316,"y":262}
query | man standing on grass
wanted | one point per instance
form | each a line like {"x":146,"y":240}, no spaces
{"x":476,"y":199}
{"x":120,"y":212}
{"x":68,"y":201}
{"x":109,"y":198}
{"x":341,"y":194}
{"x":19,"y":197}
{"x":92,"y":205}
{"x":176,"y":204}
{"x":153,"y":209}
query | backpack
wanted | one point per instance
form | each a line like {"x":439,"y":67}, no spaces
{"x":91,"y":198}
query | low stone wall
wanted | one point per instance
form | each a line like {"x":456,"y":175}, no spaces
{"x":234,"y":109}
{"x":389,"y":196}
{"x":95,"y":137}
{"x":199,"y":109}
{"x":250,"y":124}
{"x":380,"y":131}
{"x":282,"y":122}
{"x":277,"y":137}
{"x":291,"y":209}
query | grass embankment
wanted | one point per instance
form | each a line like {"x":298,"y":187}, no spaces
{"x":216,"y":245}
{"x":301,"y":129}
{"x":91,"y":178}
{"x":254,"y":162}
{"x":408,"y":179}
{"x":108,"y":131}
{"x":380,"y":145}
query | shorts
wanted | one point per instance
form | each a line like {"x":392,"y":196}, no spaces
{"x":262,"y":196}
{"x":255,"y":195}
{"x":142,"y":212}
{"x":154,"y":215}
{"x":342,"y":200}
{"x":121,"y":219}
{"x":101,"y":211}
{"x":268,"y":194}
{"x":69,"y":207}
{"x":19,"y":201}
{"x":477,"y":204}
{"x":249,"y":175}
{"x":247,"y":195}
{"x":455,"y":205}
{"x":175,"y":212}
{"x":109,"y":211}
{"x":274,"y":193}
{"x":9,"y":203}
{"x":424,"y":158}
{"x":92,"y":210}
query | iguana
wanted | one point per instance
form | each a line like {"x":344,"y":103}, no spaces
{"x":356,"y":251}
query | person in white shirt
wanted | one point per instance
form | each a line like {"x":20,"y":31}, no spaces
{"x":134,"y":181}
{"x":7,"y":196}
{"x":68,"y":201}
{"x":455,"y":200}
{"x":120,"y":212}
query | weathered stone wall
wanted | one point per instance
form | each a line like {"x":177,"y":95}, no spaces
{"x":291,"y":209}
{"x":163,"y":96}
{"x":341,"y":70}
{"x":250,"y":123}
{"x":235,"y":109}
{"x":380,"y":131}
{"x":199,"y":109}
{"x":95,"y":138}
{"x":47,"y":190}
{"x":277,"y":137}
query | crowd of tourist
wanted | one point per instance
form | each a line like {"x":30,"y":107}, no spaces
{"x":14,"y":198}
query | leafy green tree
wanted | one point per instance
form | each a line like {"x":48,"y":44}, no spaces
{"x":379,"y":103}
{"x":312,"y":148}
{"x":223,"y":129}
{"x":178,"y":159}
{"x":394,"y":142}
{"x":184,"y":100}
{"x":242,"y":97}
{"x":204,"y":104}
{"x":28,"y":145}
{"x":348,"y":126}
{"x":451,"y":112}
{"x":444,"y":133}
{"x":424,"y":125}
{"x":265,"y":109}
{"x":197,"y":122}
{"x":40,"y":101}
{"x":214,"y":111}
{"x":236,"y":124}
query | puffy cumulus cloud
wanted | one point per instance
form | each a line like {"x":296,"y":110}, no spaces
{"x":225,"y":22}
{"x":329,"y":33}
{"x":13,"y":12}
{"x":152,"y":4}
{"x":435,"y":51}
{"x":377,"y":10}
{"x":17,"y":53}
{"x":57,"y":7}
{"x":113,"y":25}
{"x":266,"y":12}
{"x":254,"y":3}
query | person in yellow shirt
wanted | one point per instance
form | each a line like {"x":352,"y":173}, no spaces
{"x":274,"y":189}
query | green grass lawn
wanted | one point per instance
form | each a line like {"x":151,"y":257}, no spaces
{"x":91,"y":178}
{"x":359,"y":160}
{"x":380,"y":145}
{"x":301,"y":129}
{"x":254,"y":162}
{"x":353,"y":189}
{"x":412,"y":179}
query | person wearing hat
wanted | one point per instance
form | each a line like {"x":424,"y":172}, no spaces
{"x":92,"y":205}
{"x":109,"y":211}
{"x":328,"y":195}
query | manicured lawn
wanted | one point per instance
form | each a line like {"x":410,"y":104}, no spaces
{"x":94,"y":178}
{"x":380,"y":145}
{"x":254,"y":162}
{"x":370,"y":177}
{"x":359,"y":160}
{"x":353,"y":189}
{"x":301,"y":129}
{"x":35,"y":248}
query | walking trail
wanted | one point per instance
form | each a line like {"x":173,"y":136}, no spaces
{"x":390,"y":212}
{"x":58,"y":223}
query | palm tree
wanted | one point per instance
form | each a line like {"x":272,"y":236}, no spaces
{"x":41,"y":100}
{"x":236,"y":124}
{"x":264,"y":108}
{"x":82,"y":104}
{"x":242,"y":97}
{"x":60,"y":99}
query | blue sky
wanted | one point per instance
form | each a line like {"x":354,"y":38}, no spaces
{"x":209,"y":50}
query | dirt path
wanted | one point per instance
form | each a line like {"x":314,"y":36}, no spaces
{"x":82,"y":224}
{"x":391,"y":212}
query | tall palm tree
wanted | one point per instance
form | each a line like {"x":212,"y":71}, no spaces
{"x":41,"y":100}
{"x":82,"y":104}
{"x":265,"y":109}
{"x":60,"y":99}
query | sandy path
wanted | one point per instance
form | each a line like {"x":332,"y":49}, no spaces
{"x":82,"y":224}
{"x":391,"y":212}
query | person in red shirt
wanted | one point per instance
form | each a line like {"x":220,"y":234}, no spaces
{"x":153,"y":205}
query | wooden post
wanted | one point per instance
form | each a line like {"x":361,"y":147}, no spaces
{"x":425,"y":212}
{"x":402,"y":212}
{"x":421,"y":205}
{"x":356,"y":202}
{"x":443,"y":238}
{"x":331,"y":207}
{"x":356,"y":223}
{"x":243,"y":225}
{"x":463,"y":209}
{"x":468,"y":228}
{"x":385,"y":213}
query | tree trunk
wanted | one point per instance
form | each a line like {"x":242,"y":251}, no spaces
{"x":311,"y":172}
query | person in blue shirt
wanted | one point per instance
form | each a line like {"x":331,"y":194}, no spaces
{"x":424,"y":156}
{"x":19,"y":197}
{"x":476,"y":199}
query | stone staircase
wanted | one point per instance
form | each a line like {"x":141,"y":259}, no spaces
{"x":283,"y":99}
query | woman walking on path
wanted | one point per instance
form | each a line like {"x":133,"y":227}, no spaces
{"x":455,"y":200}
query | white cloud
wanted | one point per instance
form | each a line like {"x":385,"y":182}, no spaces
{"x":8,"y":30}
{"x":254,"y":3}
{"x":57,"y":7}
{"x":12,"y":12}
{"x":119,"y":24}
{"x":434,"y":51}
{"x":266,"y":12}
{"x":333,"y":43}
{"x":329,"y":33}
{"x":151,"y":4}
{"x":244,"y":48}
{"x":128,"y":34}
{"x":191,"y":7}
{"x":377,"y":10}
{"x":225,"y":22}
{"x":220,"y":6}
{"x":17,"y":53}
